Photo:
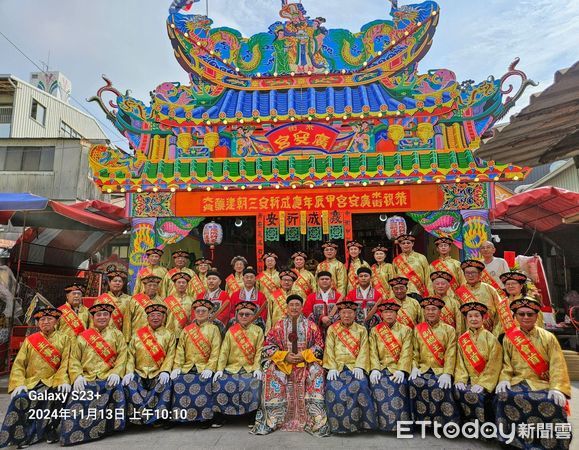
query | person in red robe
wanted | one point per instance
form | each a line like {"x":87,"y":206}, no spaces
{"x":320,"y":306}
{"x":250,"y":293}
{"x":219,"y":298}
{"x":365,"y":296}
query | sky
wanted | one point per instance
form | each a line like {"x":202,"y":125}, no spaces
{"x":126,"y":39}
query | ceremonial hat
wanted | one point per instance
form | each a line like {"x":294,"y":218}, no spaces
{"x":239,"y":258}
{"x":156,"y":307}
{"x":288,"y":273}
{"x":347,"y":304}
{"x":405,"y":237}
{"x":246,"y":305}
{"x":114,"y":272}
{"x":364,"y":269}
{"x":213,"y":273}
{"x":354,"y":244}
{"x":323,"y":273}
{"x":203,"y":260}
{"x":443,"y":240}
{"x":516,"y":276}
{"x":182,"y":253}
{"x":388,"y":305}
{"x":98,"y":307}
{"x":330,"y":245}
{"x":156,"y":251}
{"x":473,"y":263}
{"x":181,"y":276}
{"x":398,"y":280}
{"x":525,"y":302}
{"x":269,"y":254}
{"x":202,"y":302}
{"x":75,"y":287}
{"x":432,"y":301}
{"x":441,"y":274}
{"x":380,"y":248}
{"x":473,"y":306}
{"x":151,"y":279}
{"x":46,"y":311}
{"x":302,"y":254}
{"x":249,"y":269}
{"x":294,"y":297}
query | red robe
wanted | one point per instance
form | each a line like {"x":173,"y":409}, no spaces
{"x":258,"y":298}
{"x":222,"y":298}
{"x":364,"y":305}
{"x":315,"y":307}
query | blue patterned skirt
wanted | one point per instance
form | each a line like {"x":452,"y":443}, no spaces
{"x":349,"y":404}
{"x":392,"y":402}
{"x":236,"y":394}
{"x":93,"y":419}
{"x":20,"y":428}
{"x":521,"y":405}
{"x":431,"y":403}
{"x":192,"y":398}
{"x":148,"y":400}
{"x":474,"y":406}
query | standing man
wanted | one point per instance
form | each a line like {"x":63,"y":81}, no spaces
{"x":40,"y":368}
{"x":410,"y":313}
{"x":181,"y":260}
{"x":149,"y":363}
{"x":234,"y":282}
{"x":494,"y":266}
{"x":137,"y":316}
{"x":306,"y":281}
{"x":97,"y":363}
{"x":116,"y":297}
{"x":391,"y":363}
{"x":277,"y":304}
{"x":441,"y":287}
{"x":412,"y":265}
{"x":152,"y":267}
{"x":366,"y":297}
{"x":355,"y":261}
{"x":75,"y":316}
{"x":268,"y":280}
{"x":320,"y":306}
{"x":249,"y":293}
{"x":334,"y":267}
{"x":293,"y":376}
{"x":347,"y":359}
{"x":179,"y":303}
{"x":219,"y":298}
{"x":446,"y":263}
{"x":382,"y":271}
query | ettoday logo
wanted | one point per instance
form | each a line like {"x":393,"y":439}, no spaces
{"x":406,"y":429}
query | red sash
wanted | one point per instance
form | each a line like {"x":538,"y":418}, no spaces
{"x":143,"y":300}
{"x":231,"y":283}
{"x":151,"y":345}
{"x":486,"y":278}
{"x":348,"y":339}
{"x":177,"y":310}
{"x":410,"y":273}
{"x":352,"y":278}
{"x":302,"y":283}
{"x":505,"y":314}
{"x":71,"y":319}
{"x":529,"y":353}
{"x":196,"y":284}
{"x":199,"y":340}
{"x":100,"y":346}
{"x":404,"y":318}
{"x":389,"y":339}
{"x":117,"y":315}
{"x":282,"y":305}
{"x":432,"y":342}
{"x":242,"y":340}
{"x":48,"y":352}
{"x":471,"y":353}
{"x":465,"y":295}
{"x":440,"y":265}
{"x":267,"y":281}
{"x":377,"y":283}
{"x":447,"y":316}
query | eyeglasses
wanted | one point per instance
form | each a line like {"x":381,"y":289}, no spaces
{"x":244,"y":314}
{"x":529,"y":314}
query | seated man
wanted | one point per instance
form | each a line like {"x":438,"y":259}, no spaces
{"x":478,"y":364}
{"x":149,"y":362}
{"x":97,"y":363}
{"x":294,"y":377}
{"x":195,"y":361}
{"x":433,"y":366}
{"x":391,"y":362}
{"x":534,"y":382}
{"x":237,"y":382}
{"x":346,"y":358}
{"x":40,"y":367}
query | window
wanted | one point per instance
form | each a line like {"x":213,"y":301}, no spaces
{"x":27,"y":159}
{"x":122,"y":251}
{"x":38,"y":112}
{"x":66,"y":131}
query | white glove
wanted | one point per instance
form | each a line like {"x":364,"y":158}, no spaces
{"x":164,"y":377}
{"x":375,"y":376}
{"x":398,"y":377}
{"x":175,"y":373}
{"x":206,"y":374}
{"x":460,"y":386}
{"x":128,"y":378}
{"x":79,"y":384}
{"x":444,"y":381}
{"x":258,"y":374}
{"x":503,"y":386}
{"x":65,"y":387}
{"x":558,"y":397}
{"x":217,"y":375}
{"x":332,"y":375}
{"x":113,"y":380}
{"x":415,"y":373}
{"x":477,"y":388}
{"x":18,"y":390}
{"x":358,"y":373}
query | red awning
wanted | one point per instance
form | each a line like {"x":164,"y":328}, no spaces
{"x":543,"y":209}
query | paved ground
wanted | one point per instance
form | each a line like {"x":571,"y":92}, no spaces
{"x":236,"y":436}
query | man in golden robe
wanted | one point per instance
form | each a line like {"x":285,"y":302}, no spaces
{"x":534,"y":383}
{"x":137,"y":316}
{"x":433,"y":365}
{"x":38,"y":381}
{"x":97,"y":363}
{"x":276,"y":304}
{"x":151,"y":268}
{"x":441,"y":288}
{"x":305,"y":282}
{"x":382,"y":271}
{"x":446,"y":263}
{"x":195,"y":362}
{"x":355,"y":261}
{"x":335,"y":267}
{"x":115,"y":296}
{"x":391,"y":363}
{"x":179,"y":303}
{"x":149,"y":363}
{"x":181,"y":261}
{"x":412,"y":265}
{"x":347,"y":359}
{"x":75,"y":316}
{"x":478,"y":364}
{"x":410,"y":313}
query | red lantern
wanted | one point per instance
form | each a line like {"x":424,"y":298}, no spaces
{"x":212,"y":235}
{"x":395,"y":226}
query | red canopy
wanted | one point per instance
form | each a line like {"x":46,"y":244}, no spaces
{"x":543,"y":209}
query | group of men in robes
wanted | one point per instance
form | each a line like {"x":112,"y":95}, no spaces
{"x":350,"y":348}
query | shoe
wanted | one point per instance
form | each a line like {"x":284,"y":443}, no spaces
{"x":205,"y":425}
{"x":216,"y":425}
{"x":51,"y":437}
{"x":23,"y":446}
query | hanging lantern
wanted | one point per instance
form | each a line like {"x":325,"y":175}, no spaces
{"x":395,"y":226}
{"x":212,"y":235}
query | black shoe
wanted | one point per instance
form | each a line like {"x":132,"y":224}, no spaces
{"x":206,"y":424}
